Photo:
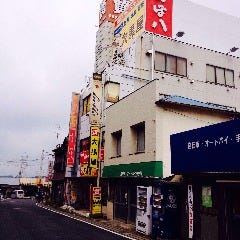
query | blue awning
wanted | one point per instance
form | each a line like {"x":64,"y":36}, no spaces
{"x":191,"y":102}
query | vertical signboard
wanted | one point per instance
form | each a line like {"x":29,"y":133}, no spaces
{"x":73,"y":129}
{"x":95,"y":115}
{"x":159,"y":17}
{"x":110,"y":10}
{"x":190,"y":211}
{"x":207,"y":196}
{"x":94,"y":148}
{"x":151,"y":15}
{"x":130,"y":24}
{"x":95,"y":200}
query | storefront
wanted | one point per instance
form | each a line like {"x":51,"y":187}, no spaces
{"x":208,"y":160}
{"x":123,"y":180}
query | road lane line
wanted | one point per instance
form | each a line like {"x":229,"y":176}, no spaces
{"x":80,"y":220}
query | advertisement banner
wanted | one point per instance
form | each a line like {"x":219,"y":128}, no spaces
{"x":95,"y":115}
{"x":84,"y":157}
{"x":159,"y":17}
{"x":86,"y":170}
{"x":110,"y":9}
{"x":94,"y":146}
{"x":130,"y":24}
{"x":73,"y":129}
{"x":206,"y":196}
{"x":207,"y":149}
{"x":190,"y":211}
{"x":96,"y":200}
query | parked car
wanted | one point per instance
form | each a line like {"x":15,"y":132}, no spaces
{"x":17,"y":194}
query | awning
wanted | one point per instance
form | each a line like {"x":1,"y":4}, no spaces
{"x":142,"y":169}
{"x":173,"y":99}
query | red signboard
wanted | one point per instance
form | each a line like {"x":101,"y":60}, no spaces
{"x":71,"y":146}
{"x":159,"y":17}
{"x":84,"y":156}
{"x":73,"y":129}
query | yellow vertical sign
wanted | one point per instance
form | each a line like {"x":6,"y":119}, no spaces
{"x":94,"y":148}
{"x":96,"y":200}
{"x":130,"y":24}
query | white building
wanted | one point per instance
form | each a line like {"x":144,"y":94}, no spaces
{"x":181,"y":85}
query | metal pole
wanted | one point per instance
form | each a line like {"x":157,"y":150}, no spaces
{"x":101,"y":126}
{"x":153,"y":56}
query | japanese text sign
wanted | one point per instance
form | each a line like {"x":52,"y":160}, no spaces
{"x":190,"y":211}
{"x":73,"y":129}
{"x":159,"y":17}
{"x":96,"y":100}
{"x":94,"y":146}
{"x":110,"y":9}
{"x":96,"y":200}
{"x":130,"y":24}
{"x":214,"y":148}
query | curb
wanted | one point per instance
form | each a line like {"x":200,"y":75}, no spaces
{"x":102,"y":224}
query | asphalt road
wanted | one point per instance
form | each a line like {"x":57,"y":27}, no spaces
{"x":21,"y":219}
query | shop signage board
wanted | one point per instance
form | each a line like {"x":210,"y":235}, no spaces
{"x":95,"y":200}
{"x":130,"y":24}
{"x":154,"y":16}
{"x":207,"y":196}
{"x":190,"y":212}
{"x":159,"y":17}
{"x":214,"y":148}
{"x":73,"y":129}
{"x":142,"y":169}
{"x":110,"y":9}
{"x":91,"y":168}
{"x":95,"y":114}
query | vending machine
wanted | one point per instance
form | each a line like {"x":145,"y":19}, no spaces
{"x":144,"y":210}
{"x":166,"y":211}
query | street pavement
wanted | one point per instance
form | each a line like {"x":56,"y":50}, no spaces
{"x":22,"y":219}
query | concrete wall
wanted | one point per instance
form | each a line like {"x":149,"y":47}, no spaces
{"x":137,"y":107}
{"x":178,"y":119}
{"x":194,"y":85}
{"x":160,"y":123}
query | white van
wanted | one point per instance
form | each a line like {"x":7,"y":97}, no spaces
{"x":17,"y":194}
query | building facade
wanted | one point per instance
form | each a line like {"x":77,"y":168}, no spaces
{"x":152,"y":85}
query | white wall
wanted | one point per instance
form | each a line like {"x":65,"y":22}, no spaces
{"x":179,"y":119}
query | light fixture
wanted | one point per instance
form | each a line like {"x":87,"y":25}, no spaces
{"x":233,"y":49}
{"x":149,"y":52}
{"x":179,"y":34}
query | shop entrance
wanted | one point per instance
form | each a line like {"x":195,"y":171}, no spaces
{"x":234,"y":212}
{"x":125,"y":203}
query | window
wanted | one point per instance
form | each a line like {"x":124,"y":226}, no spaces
{"x":171,"y":64}
{"x":219,"y":75}
{"x":117,"y":142}
{"x":86,"y":105}
{"x":139,"y":135}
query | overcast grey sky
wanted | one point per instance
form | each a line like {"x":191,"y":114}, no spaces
{"x":46,"y":51}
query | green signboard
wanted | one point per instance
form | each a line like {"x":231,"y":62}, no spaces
{"x":142,"y":169}
{"x":206,"y":196}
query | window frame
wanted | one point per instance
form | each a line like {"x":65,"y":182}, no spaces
{"x":165,"y":58}
{"x":139,"y":131}
{"x":216,"y":82}
{"x":86,"y":105}
{"x":117,"y":142}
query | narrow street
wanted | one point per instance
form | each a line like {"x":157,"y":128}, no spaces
{"x":21,"y":219}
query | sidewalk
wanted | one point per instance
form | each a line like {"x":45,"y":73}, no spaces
{"x":116,"y":226}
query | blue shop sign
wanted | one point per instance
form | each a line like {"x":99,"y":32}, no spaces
{"x":214,"y":148}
